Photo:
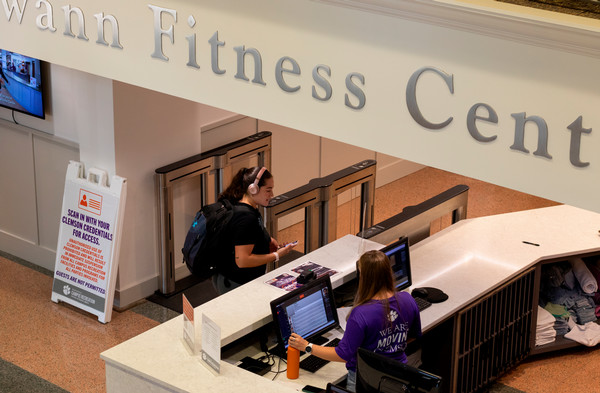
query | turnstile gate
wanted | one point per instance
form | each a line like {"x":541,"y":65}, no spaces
{"x":214,"y":168}
{"x":319,"y":200}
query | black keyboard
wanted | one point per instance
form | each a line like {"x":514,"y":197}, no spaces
{"x":422,"y":303}
{"x":312,"y":363}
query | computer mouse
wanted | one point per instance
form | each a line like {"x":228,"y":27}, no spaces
{"x":420,"y":292}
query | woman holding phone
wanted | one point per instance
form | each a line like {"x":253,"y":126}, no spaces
{"x":249,"y":246}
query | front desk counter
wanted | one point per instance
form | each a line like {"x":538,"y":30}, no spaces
{"x":467,"y":260}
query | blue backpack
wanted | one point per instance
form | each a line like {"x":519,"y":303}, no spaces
{"x":202,"y":248}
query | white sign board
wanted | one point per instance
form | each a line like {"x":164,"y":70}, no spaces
{"x":211,"y":344}
{"x":85,"y":270}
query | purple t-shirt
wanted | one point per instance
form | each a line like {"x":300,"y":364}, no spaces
{"x":367,"y":328}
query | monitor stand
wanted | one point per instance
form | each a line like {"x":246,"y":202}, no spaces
{"x":279,"y":351}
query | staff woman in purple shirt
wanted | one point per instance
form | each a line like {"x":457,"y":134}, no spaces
{"x":381,"y":320}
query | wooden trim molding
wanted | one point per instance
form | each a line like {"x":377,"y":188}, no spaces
{"x":527,"y":25}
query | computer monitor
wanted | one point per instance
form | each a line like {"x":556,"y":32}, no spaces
{"x":376,"y":373}
{"x":309,"y":311}
{"x":399,"y":256}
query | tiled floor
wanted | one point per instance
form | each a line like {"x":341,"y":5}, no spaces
{"x":48,"y":347}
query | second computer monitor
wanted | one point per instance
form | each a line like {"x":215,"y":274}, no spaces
{"x":377,"y":373}
{"x":399,"y":256}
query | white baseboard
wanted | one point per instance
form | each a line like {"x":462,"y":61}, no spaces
{"x":27,"y":250}
{"x":128,"y":296}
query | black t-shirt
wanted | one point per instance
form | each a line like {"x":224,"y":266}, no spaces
{"x":245,"y":227}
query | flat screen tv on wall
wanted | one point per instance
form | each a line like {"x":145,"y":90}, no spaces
{"x":21,"y":82}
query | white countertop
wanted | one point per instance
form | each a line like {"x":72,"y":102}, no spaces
{"x":247,"y":308}
{"x":465,"y":260}
{"x":471,"y":257}
{"x":160,"y":357}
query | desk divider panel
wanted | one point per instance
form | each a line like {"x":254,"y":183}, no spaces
{"x":494,"y":334}
{"x":415,"y":221}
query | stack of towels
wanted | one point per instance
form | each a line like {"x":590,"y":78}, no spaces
{"x":545,"y":332}
{"x":570,"y":296}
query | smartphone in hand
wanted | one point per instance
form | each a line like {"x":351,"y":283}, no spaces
{"x":287,"y":244}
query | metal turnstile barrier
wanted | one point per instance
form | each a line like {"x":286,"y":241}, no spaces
{"x":319,"y":197}
{"x":214,"y":168}
{"x":363,"y":174}
{"x":414,"y":221}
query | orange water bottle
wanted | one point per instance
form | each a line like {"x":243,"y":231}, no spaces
{"x":293,"y":363}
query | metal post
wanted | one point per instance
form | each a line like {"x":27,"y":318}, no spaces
{"x":361,"y":174}
{"x":165,"y":207}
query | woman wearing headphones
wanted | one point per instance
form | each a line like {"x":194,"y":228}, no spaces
{"x":251,"y":245}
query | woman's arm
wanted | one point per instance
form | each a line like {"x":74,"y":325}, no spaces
{"x":244,"y":257}
{"x":327,"y":353}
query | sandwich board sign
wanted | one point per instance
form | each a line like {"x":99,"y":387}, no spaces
{"x":85,"y":270}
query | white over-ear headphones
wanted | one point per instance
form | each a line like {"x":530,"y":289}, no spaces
{"x":253,"y":188}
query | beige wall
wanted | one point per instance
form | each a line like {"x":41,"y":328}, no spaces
{"x":151,"y":131}
{"x":34,"y":155}
{"x":31,"y":183}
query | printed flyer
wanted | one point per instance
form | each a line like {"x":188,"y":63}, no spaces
{"x":319,"y":270}
{"x":288,"y":282}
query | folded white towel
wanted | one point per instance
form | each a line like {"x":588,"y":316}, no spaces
{"x":544,"y":318}
{"x":545,"y":332}
{"x":584,"y":276}
{"x":588,"y":334}
{"x":539,"y":342}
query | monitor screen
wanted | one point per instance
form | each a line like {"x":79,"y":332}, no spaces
{"x":399,"y":256}
{"x":377,"y":373}
{"x":309,"y":311}
{"x":21,"y":83}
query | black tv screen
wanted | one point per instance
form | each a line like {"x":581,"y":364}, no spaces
{"x":21,"y":83}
